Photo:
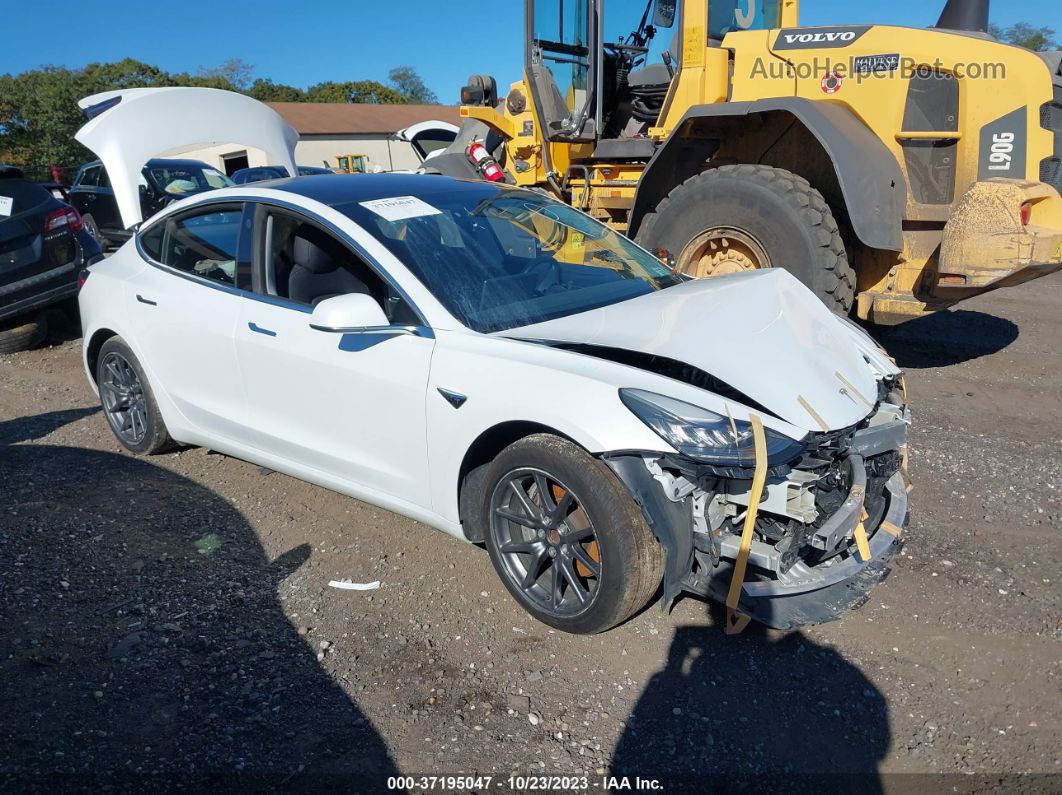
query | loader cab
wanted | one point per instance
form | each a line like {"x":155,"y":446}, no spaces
{"x":602,"y":70}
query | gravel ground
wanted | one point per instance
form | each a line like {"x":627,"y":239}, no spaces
{"x":169,"y":620}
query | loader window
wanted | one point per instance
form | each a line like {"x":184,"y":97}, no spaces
{"x":726,"y":17}
{"x":560,"y":44}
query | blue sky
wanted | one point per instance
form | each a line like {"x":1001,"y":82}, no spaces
{"x":301,"y":43}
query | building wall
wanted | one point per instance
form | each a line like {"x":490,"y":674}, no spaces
{"x":382,"y":150}
{"x":387,"y":152}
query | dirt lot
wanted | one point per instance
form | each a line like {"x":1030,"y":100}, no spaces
{"x":170,"y":617}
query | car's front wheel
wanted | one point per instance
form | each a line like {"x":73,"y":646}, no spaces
{"x":128,"y":402}
{"x":566,"y":537}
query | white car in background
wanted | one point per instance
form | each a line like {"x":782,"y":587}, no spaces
{"x":495,"y":364}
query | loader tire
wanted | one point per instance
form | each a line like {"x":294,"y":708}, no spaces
{"x":745,"y":217}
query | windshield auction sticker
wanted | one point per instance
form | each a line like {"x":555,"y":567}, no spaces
{"x":6,"y":205}
{"x":399,"y":208}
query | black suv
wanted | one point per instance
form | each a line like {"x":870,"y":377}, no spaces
{"x":162,"y":182}
{"x":43,"y":246}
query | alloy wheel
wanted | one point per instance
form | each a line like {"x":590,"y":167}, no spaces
{"x":123,"y":398}
{"x":546,"y":542}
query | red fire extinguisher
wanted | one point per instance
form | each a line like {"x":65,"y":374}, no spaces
{"x":486,"y":165}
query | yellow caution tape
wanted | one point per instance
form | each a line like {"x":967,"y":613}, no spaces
{"x":849,"y":385}
{"x":892,"y":529}
{"x":736,"y":622}
{"x":862,"y":543}
{"x":814,"y":414}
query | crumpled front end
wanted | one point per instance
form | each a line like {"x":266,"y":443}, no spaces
{"x":805,"y":565}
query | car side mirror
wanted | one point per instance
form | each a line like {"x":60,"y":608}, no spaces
{"x":353,"y":313}
{"x":664,"y":13}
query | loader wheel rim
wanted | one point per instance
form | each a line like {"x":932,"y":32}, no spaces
{"x":722,"y":250}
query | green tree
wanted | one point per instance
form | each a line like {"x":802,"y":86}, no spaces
{"x":235,"y":71}
{"x":39,"y":113}
{"x":367,"y":91}
{"x":1025,"y":35}
{"x":265,"y":90}
{"x":406,"y":81}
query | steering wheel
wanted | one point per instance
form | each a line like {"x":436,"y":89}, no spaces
{"x":549,"y":270}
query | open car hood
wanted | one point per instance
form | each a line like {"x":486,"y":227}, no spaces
{"x":128,"y":127}
{"x":763,"y":333}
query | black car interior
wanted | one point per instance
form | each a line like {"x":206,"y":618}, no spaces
{"x":305,"y":264}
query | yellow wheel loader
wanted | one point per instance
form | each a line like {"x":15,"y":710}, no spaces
{"x":895,"y":171}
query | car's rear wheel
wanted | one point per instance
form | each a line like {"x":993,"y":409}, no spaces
{"x":23,"y":333}
{"x":94,"y":230}
{"x":566,"y":537}
{"x":128,"y":402}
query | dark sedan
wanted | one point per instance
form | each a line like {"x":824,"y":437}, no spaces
{"x":162,"y":180}
{"x":43,"y":245}
{"x":262,"y":173}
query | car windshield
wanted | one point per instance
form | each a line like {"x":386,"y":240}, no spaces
{"x":19,"y":195}
{"x":501,"y":258}
{"x":188,"y":179}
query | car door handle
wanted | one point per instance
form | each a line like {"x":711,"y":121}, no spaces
{"x":255,"y":327}
{"x":147,"y":301}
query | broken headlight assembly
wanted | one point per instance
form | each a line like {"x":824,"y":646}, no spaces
{"x":704,"y":435}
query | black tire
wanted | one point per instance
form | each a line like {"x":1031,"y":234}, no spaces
{"x":94,"y":231}
{"x":629,"y":560}
{"x":23,"y":333}
{"x":780,"y":211}
{"x":134,"y":408}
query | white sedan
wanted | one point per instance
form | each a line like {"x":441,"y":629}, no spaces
{"x":493,"y":363}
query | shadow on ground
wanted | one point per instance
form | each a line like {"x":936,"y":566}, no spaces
{"x":143,"y":640}
{"x":760,"y":709}
{"x":946,"y":338}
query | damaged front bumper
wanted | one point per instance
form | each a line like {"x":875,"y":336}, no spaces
{"x":812,"y":574}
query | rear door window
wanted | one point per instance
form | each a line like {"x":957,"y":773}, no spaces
{"x":204,"y":242}
{"x":90,"y":177}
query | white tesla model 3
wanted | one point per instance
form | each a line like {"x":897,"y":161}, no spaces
{"x":500,"y":366}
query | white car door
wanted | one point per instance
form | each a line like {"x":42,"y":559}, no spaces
{"x":184,"y":309}
{"x":348,"y":405}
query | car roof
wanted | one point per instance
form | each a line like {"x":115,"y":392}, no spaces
{"x":159,"y":162}
{"x":333,"y":189}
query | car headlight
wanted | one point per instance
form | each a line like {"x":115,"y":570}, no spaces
{"x":704,"y":435}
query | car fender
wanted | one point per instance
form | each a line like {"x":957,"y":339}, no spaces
{"x":494,"y":380}
{"x":503,"y":381}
